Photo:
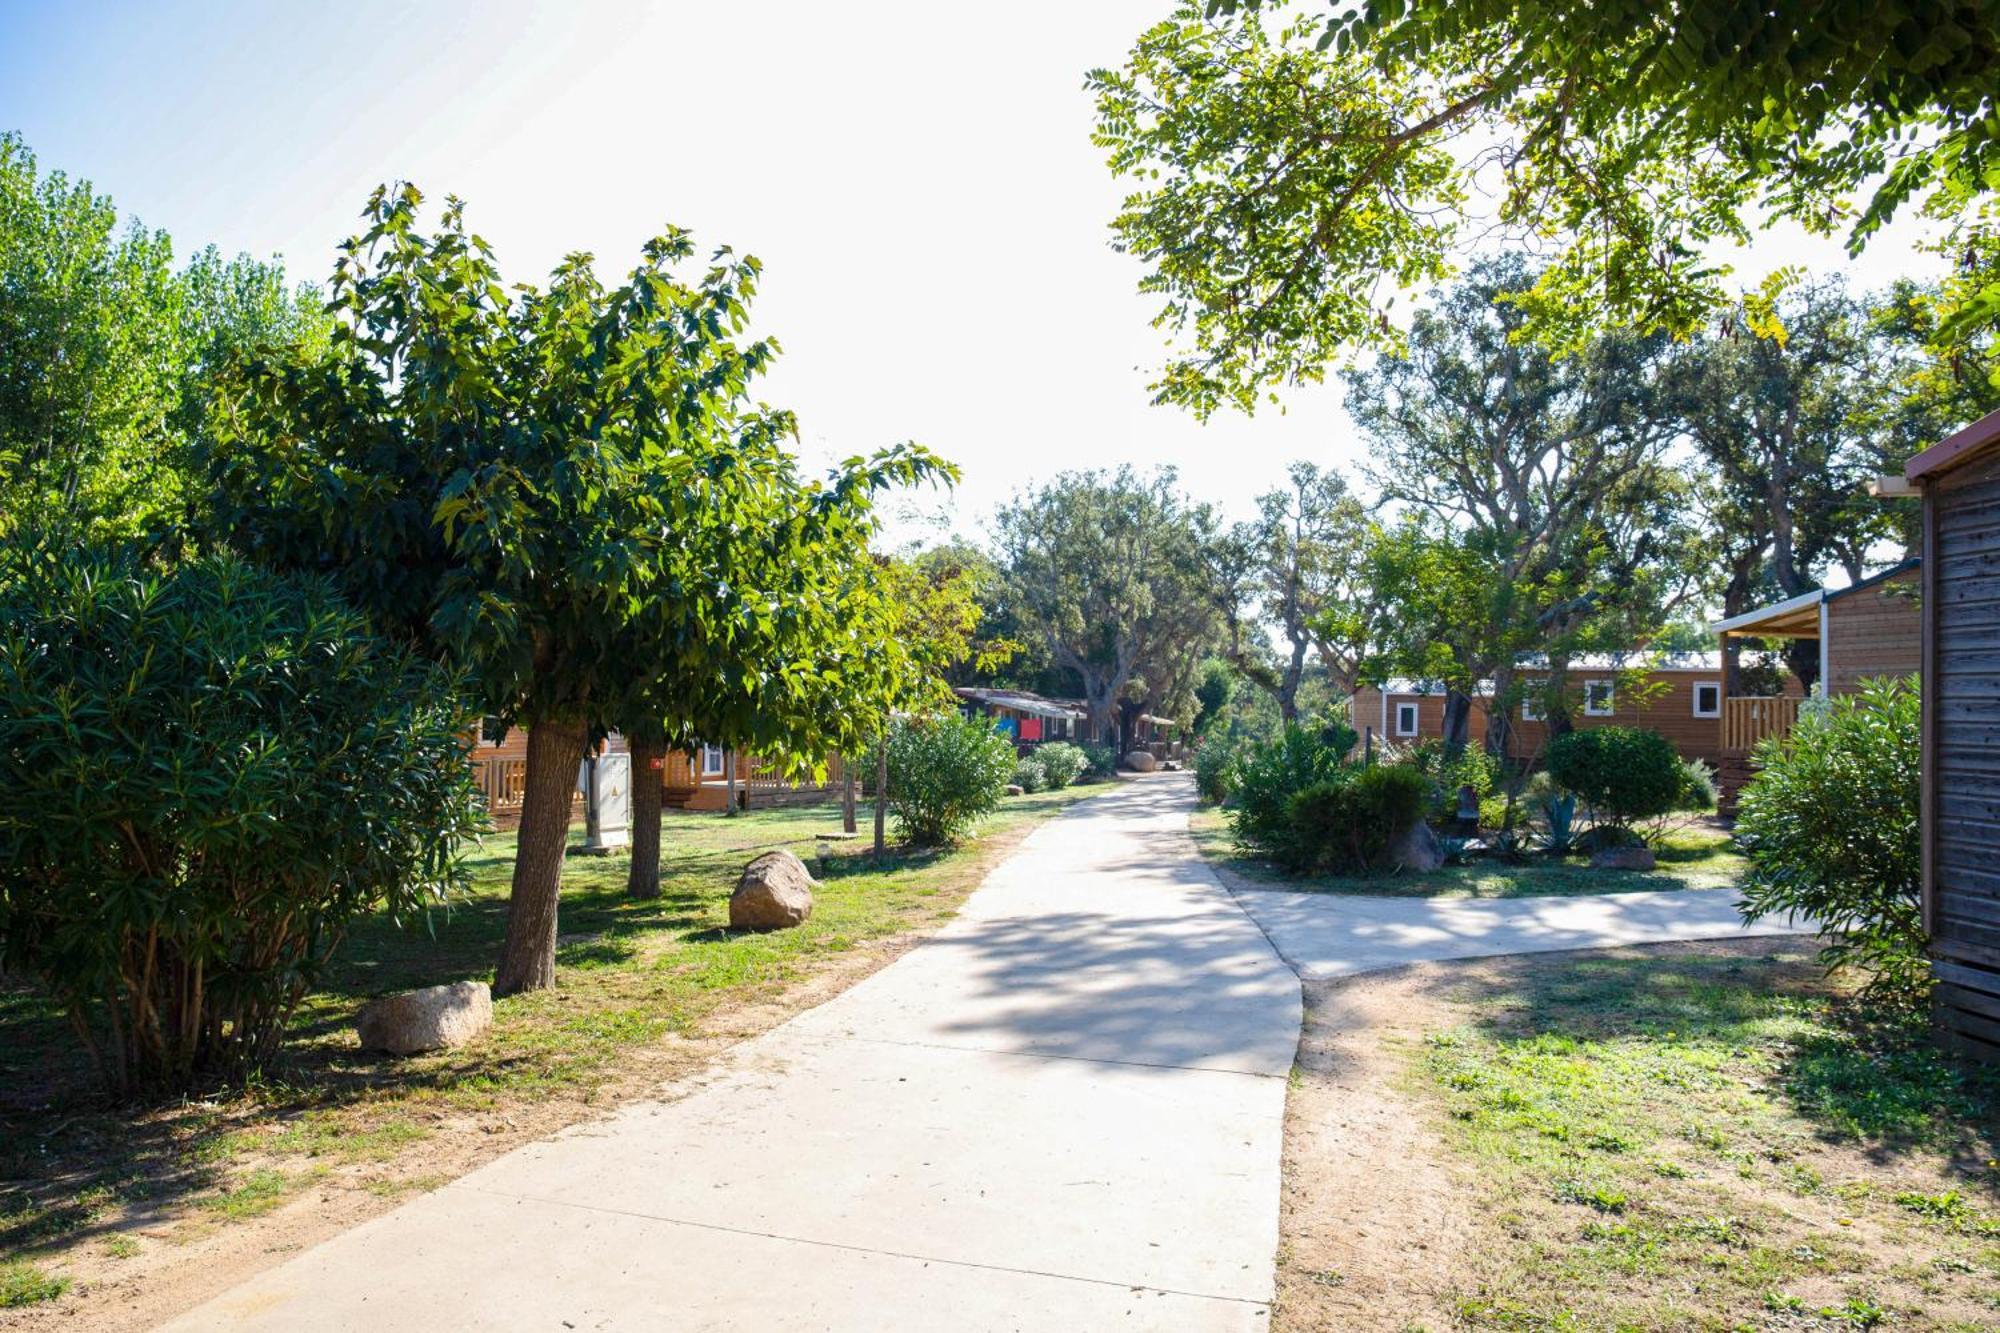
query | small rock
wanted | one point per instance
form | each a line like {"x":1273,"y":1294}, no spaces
{"x":1016,"y":789}
{"x":1141,"y":761}
{"x":1417,"y":850}
{"x":1622,"y":858}
{"x":435,"y":1018}
{"x":774,"y":893}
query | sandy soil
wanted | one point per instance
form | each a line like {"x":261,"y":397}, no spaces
{"x":1373,"y":1220}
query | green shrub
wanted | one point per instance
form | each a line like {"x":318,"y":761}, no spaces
{"x":944,"y":773}
{"x":1496,"y":813}
{"x":1268,"y":774}
{"x":1830,"y":824}
{"x":1698,"y":791}
{"x":1029,"y":775}
{"x":1624,"y":774}
{"x":209,"y":774}
{"x":1103,"y":758}
{"x":1338,"y":737}
{"x":1064,"y":763}
{"x":1471,"y":767}
{"x":1214,"y":771}
{"x":1344,"y":824}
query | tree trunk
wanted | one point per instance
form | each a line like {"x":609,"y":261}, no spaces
{"x":729,"y":781}
{"x":528,"y":953}
{"x":881,"y":795}
{"x":1457,"y":722}
{"x":1499,"y":716}
{"x":642,"y":880}
{"x":847,"y":794}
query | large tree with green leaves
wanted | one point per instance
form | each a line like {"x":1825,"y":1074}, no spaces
{"x":1111,"y":571}
{"x":108,"y":353}
{"x":1296,"y":168}
{"x":567,"y":491}
{"x":1547,"y":472}
{"x":1307,"y":547}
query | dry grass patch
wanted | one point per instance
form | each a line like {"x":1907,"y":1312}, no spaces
{"x":646,"y":991}
{"x":1689,"y":1137}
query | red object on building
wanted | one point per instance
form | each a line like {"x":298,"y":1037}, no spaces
{"x":1031,"y":728}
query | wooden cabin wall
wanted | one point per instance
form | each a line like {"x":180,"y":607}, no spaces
{"x":1961,"y":620}
{"x":1873,"y":632}
{"x":1670,"y":712}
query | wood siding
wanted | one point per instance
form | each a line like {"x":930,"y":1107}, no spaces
{"x":1961,"y":660}
{"x":1366,"y":716}
{"x":1670,"y":711}
{"x":1874,"y":632}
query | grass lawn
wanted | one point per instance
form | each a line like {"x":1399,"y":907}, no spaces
{"x":1711,"y":1137}
{"x":645,"y":990}
{"x":1696,"y":857}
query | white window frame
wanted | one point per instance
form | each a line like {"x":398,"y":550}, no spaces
{"x":1610,"y":705}
{"x":713,"y":759}
{"x":1531,"y":708}
{"x":1415,"y":716}
{"x":1701,"y":685}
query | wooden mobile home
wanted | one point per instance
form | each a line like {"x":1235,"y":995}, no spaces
{"x":1959,"y":480}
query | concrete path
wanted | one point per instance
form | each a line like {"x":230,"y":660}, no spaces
{"x":1063,"y":1112}
{"x":1325,"y":935}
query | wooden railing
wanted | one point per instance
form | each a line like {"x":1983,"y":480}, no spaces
{"x":502,"y":782}
{"x":1746,"y":721}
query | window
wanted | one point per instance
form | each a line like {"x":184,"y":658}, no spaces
{"x":1531,"y":707}
{"x":492,"y":730}
{"x":711,"y":761}
{"x":1708,"y":698}
{"x":1598,"y":698}
{"x":1406,"y":719}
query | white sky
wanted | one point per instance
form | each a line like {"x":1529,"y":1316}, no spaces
{"x":917,"y":177}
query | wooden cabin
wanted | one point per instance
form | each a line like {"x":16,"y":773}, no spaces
{"x":1026,"y":718}
{"x":1867,"y":629}
{"x":692,"y":780}
{"x":500,"y":765}
{"x":1681,"y":699}
{"x":700,"y":780}
{"x":1959,"y":480}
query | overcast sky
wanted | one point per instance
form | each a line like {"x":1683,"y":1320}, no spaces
{"x":917,"y":177}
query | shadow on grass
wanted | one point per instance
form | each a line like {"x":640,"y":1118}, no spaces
{"x":1863,"y":1075}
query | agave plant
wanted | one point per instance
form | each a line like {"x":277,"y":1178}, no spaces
{"x":1559,"y":824}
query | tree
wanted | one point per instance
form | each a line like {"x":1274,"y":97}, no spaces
{"x":1551,"y":512}
{"x":1307,"y":543}
{"x":1779,"y":422}
{"x":106,"y":352}
{"x":1293,"y":178}
{"x":563,"y":490}
{"x":1110,"y":572}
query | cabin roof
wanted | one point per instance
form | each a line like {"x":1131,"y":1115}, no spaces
{"x":1021,"y":701}
{"x":1798,"y":617}
{"x":1954,"y":450}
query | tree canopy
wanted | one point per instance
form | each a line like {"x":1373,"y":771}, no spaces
{"x":568,"y":492}
{"x":1297,"y":168}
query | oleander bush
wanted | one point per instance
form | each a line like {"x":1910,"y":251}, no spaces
{"x":1830,"y":824}
{"x":1062,"y":762}
{"x":210,"y":772}
{"x":1214,"y":771}
{"x":945,"y":772}
{"x":1029,"y":775}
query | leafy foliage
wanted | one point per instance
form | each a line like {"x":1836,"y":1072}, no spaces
{"x":1214,"y":771}
{"x":1830,"y":824}
{"x":1268,"y":775}
{"x":1029,"y":775}
{"x":210,"y":773}
{"x":945,"y":771}
{"x":1623,"y":774}
{"x":107,"y":352}
{"x":1103,"y":758}
{"x":1291,"y":180}
{"x":1063,"y":762}
{"x":1344,"y":824}
{"x":1112,"y":573}
{"x":570,"y":493}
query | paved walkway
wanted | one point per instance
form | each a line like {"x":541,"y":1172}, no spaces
{"x":1063,"y":1112}
{"x":1324,"y":936}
